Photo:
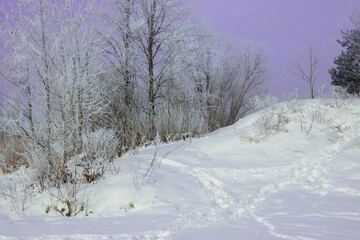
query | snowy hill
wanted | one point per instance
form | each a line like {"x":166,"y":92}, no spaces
{"x":290,"y":171}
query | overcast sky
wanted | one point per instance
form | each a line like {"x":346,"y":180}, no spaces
{"x":285,"y":26}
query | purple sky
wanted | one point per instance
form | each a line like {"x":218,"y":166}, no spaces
{"x":285,"y":26}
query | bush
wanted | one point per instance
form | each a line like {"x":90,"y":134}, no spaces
{"x":271,"y":122}
{"x":102,"y":144}
{"x":43,"y":169}
{"x":99,"y":146}
{"x":271,"y":119}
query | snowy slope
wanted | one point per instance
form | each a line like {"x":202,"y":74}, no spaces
{"x":291,"y":171}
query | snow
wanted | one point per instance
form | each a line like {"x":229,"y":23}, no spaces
{"x":300,"y":180}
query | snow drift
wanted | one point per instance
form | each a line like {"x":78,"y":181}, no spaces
{"x":290,"y":171}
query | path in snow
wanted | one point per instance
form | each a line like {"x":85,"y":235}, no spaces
{"x":311,"y":173}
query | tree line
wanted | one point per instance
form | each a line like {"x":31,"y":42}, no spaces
{"x":88,"y":80}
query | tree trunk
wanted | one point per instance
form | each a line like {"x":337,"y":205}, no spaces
{"x":151,"y":70}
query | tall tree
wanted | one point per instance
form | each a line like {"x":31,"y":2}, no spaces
{"x":121,"y":49}
{"x":52,"y":70}
{"x":163,"y":22}
{"x":30,"y":40}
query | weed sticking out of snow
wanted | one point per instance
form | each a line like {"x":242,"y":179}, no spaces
{"x":313,"y":116}
{"x":270,"y":122}
{"x":128,"y":206}
{"x":271,"y":119}
{"x":316,"y":116}
{"x":19,"y":196}
{"x":69,"y":200}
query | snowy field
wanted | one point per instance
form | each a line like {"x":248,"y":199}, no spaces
{"x":291,"y":171}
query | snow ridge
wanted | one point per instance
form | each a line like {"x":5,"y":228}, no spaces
{"x":300,"y":181}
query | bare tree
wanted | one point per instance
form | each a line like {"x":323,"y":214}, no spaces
{"x":29,"y":41}
{"x":121,"y":50}
{"x":246,"y":74}
{"x":121,"y":54}
{"x":306,"y":66}
{"x":226,"y":77}
{"x":163,"y":22}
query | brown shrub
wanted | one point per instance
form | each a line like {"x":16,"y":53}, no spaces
{"x":12,"y":148}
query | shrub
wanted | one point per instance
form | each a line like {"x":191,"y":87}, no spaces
{"x":271,"y":119}
{"x":99,"y":146}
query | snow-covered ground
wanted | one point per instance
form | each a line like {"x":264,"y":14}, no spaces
{"x":287,"y":172}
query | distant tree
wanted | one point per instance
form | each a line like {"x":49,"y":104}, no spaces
{"x":306,"y":66}
{"x":226,"y":77}
{"x":347,"y":72}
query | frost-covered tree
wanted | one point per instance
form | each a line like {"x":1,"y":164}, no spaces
{"x":226,"y":77}
{"x":178,"y":107}
{"x":142,"y":68}
{"x":78,"y":90}
{"x":121,"y":51}
{"x":51,"y":68}
{"x":121,"y":54}
{"x":29,"y":42}
{"x":162,"y":29}
{"x":85,"y":84}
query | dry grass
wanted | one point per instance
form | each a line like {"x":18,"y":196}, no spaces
{"x":11,"y":148}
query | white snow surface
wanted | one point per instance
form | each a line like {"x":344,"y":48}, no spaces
{"x":297,"y":181}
